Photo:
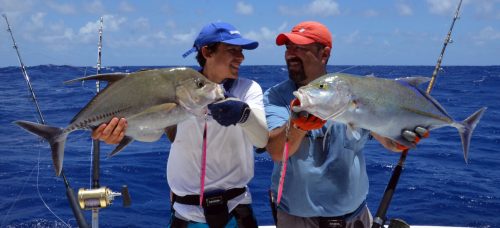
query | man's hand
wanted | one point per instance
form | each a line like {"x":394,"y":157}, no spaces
{"x":303,"y":120}
{"x":112,"y":132}
{"x":413,"y":136}
{"x":229,"y":111}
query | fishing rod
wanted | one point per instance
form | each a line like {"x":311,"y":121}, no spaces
{"x":446,"y":41}
{"x":69,"y":191}
{"x":96,"y":151}
{"x":380,"y":216}
{"x":99,"y":197}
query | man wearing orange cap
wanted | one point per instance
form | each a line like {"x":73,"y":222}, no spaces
{"x":326,"y":182}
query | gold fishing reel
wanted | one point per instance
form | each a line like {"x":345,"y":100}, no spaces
{"x":101,"y":197}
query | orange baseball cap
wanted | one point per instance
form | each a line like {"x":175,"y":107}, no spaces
{"x":306,"y":33}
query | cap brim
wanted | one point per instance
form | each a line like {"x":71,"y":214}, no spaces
{"x":283,"y":38}
{"x":244,"y":43}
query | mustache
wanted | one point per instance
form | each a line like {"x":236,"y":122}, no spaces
{"x":294,"y":59}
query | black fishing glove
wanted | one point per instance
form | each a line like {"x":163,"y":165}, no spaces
{"x":229,"y":111}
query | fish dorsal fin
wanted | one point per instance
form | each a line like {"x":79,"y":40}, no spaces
{"x":414,"y":80}
{"x":110,"y":78}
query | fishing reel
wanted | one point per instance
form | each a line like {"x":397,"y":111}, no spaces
{"x":101,"y":197}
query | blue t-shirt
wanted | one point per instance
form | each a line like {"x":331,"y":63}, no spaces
{"x":327,"y":175}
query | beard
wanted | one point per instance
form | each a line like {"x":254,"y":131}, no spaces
{"x":296,"y":71}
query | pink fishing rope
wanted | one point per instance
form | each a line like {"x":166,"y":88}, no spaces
{"x":283,"y":170}
{"x":203,"y":163}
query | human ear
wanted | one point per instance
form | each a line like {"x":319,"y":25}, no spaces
{"x":326,"y":54}
{"x":205,"y":52}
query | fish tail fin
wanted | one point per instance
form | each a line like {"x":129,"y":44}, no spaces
{"x":54,"y":135}
{"x":466,"y":128}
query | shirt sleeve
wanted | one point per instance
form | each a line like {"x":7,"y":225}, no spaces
{"x":277,"y":108}
{"x":254,"y":96}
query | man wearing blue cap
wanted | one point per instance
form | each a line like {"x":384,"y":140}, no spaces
{"x":237,"y":124}
{"x":221,"y":170}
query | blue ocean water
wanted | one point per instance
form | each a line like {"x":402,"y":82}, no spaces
{"x":436,"y":186}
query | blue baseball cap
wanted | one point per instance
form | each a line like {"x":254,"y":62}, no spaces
{"x":220,"y":32}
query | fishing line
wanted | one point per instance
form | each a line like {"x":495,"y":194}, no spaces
{"x":40,"y":194}
{"x":41,"y":120}
{"x":17,"y":197}
{"x":348,"y":68}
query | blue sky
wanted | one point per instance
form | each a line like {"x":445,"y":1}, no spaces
{"x":145,"y":33}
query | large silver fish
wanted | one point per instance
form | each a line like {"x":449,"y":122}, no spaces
{"x":150,"y":100}
{"x":384,"y":106}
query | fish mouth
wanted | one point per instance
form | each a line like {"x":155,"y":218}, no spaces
{"x":219,"y":93}
{"x":304,"y":102}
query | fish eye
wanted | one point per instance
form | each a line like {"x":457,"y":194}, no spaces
{"x":323,"y":86}
{"x":199,"y":83}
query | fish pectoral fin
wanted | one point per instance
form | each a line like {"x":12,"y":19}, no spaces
{"x":125,"y":141}
{"x":110,"y":78}
{"x":153,"y":110}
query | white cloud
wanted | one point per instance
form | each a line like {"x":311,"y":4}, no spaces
{"x":283,"y":27}
{"x":322,"y":8}
{"x":95,"y":7}
{"x":184,"y":37}
{"x":265,"y":35}
{"x":126,"y":7}
{"x":244,"y":9}
{"x":61,"y":8}
{"x":37,"y":20}
{"x":486,"y":34}
{"x":285,"y":10}
{"x":404,"y":9}
{"x":160,"y":35}
{"x":171,"y":24}
{"x":356,"y":39}
{"x":141,"y":24}
{"x":262,"y":35}
{"x":16,"y":6}
{"x":371,"y":13}
{"x":441,"y":7}
{"x":111,"y":23}
{"x":487,"y":9}
{"x":352,"y":38}
{"x":58,"y":38}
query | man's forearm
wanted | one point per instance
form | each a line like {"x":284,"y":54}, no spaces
{"x":277,"y":138}
{"x":255,"y":127}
